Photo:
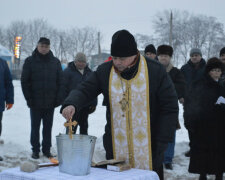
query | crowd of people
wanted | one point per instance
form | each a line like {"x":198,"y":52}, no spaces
{"x":141,"y":95}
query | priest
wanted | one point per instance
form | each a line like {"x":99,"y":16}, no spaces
{"x":141,"y":103}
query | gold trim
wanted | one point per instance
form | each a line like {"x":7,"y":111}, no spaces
{"x":128,"y":113}
{"x":148,"y":114}
{"x":111,"y":112}
{"x":130,"y":133}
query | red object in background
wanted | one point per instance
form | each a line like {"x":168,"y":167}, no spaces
{"x":109,"y":59}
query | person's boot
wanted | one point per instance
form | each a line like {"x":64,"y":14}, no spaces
{"x":1,"y":159}
{"x":187,"y":154}
{"x":202,"y":177}
{"x":169,"y":166}
{"x":1,"y":141}
{"x":35,"y":155}
{"x":219,"y":176}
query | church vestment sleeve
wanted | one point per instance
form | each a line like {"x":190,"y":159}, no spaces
{"x":85,"y":92}
{"x":168,"y":104}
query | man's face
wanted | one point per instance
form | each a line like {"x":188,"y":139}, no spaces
{"x":80,"y":64}
{"x":43,"y":48}
{"x":121,"y":63}
{"x":215,"y":73}
{"x":150,"y":55}
{"x":222,"y":58}
{"x":196,"y":58}
{"x":164,"y":59}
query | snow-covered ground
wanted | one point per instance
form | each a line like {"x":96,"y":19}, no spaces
{"x":16,"y":134}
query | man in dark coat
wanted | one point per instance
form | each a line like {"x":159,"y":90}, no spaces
{"x":6,"y":92}
{"x":141,"y":104}
{"x":193,"y":71}
{"x":150,"y":51}
{"x":42,"y":88}
{"x":165,"y":53}
{"x":222,"y":58}
{"x":77,"y":72}
{"x":205,"y":113}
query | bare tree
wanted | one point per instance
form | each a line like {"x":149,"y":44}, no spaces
{"x":143,"y":40}
{"x":81,"y":40}
{"x":189,"y":31}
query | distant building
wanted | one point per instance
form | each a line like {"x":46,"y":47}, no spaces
{"x":96,"y":60}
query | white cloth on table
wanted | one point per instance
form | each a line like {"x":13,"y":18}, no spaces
{"x":52,"y":173}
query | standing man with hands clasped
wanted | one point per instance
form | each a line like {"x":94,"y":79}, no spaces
{"x":42,"y":88}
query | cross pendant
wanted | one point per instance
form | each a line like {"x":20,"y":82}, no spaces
{"x":123,"y":102}
{"x":70,"y":124}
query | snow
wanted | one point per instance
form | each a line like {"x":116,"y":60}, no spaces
{"x":16,"y":134}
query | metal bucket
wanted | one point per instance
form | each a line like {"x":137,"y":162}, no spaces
{"x":75,"y":154}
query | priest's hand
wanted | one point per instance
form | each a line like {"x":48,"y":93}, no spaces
{"x":68,"y":112}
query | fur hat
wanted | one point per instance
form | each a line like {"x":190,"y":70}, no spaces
{"x":44,"y":40}
{"x":165,"y":49}
{"x":150,"y":48}
{"x":195,"y":51}
{"x":222,"y":51}
{"x":123,"y":44}
{"x":80,"y":57}
{"x":213,"y":63}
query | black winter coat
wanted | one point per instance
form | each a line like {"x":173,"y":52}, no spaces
{"x":41,"y":81}
{"x":192,"y":74}
{"x":6,"y":86}
{"x":179,"y":82}
{"x":72,"y":78}
{"x":163,"y":103}
{"x":222,"y":79}
{"x":207,"y":122}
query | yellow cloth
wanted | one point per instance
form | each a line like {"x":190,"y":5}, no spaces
{"x":130,"y":125}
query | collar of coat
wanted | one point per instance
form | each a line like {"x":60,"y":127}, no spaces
{"x":169,"y":67}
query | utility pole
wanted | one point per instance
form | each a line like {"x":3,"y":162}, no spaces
{"x":171,"y":29}
{"x":99,"y":51}
{"x":99,"y":46}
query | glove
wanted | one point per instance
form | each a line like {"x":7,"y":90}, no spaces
{"x":91,"y":109}
{"x":8,"y":106}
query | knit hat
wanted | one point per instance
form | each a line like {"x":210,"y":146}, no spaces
{"x":123,"y":44}
{"x":80,"y":57}
{"x":165,"y":49}
{"x":214,"y":63}
{"x":222,"y":51}
{"x":150,"y":48}
{"x":44,"y":40}
{"x":195,"y":51}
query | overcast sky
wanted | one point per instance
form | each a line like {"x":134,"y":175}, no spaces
{"x":108,"y":16}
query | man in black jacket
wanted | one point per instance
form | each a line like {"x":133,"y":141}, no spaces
{"x":193,"y":71}
{"x":77,"y":72}
{"x":141,"y":105}
{"x":165,"y":53}
{"x":150,"y":51}
{"x":42,"y":88}
{"x":6,"y":92}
